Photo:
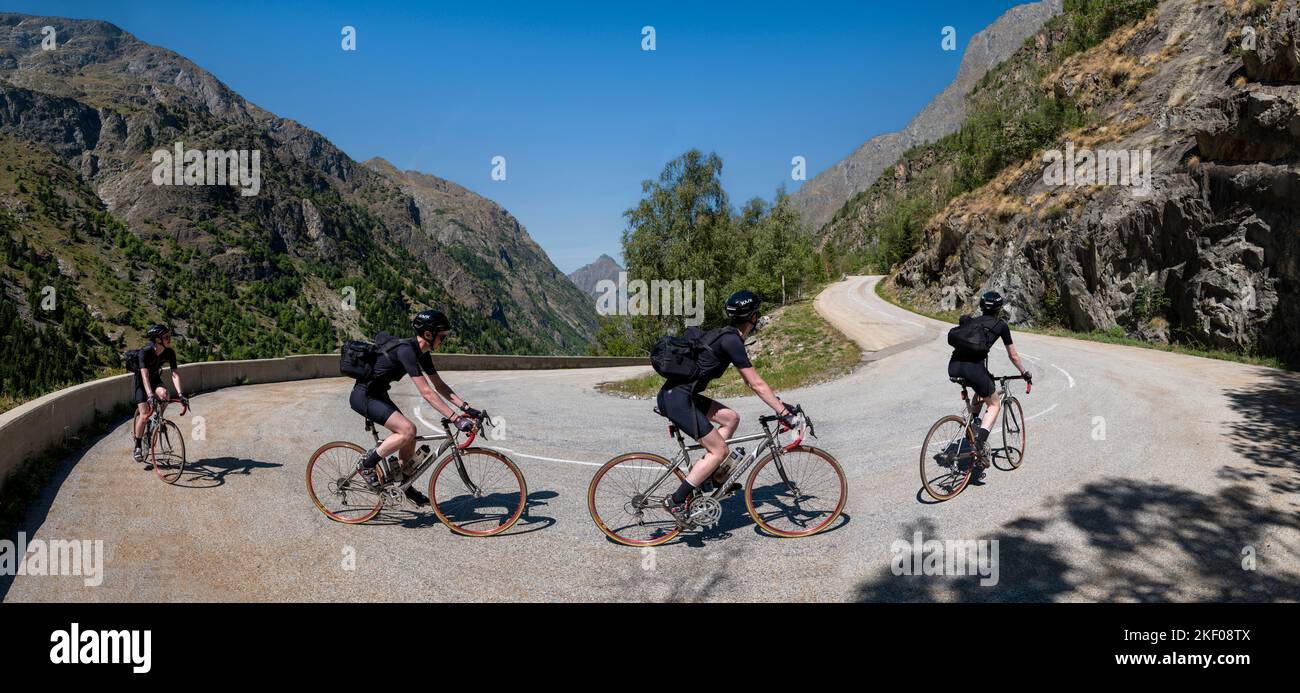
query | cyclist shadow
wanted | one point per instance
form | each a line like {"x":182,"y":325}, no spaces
{"x":735,"y":516}
{"x":421,"y":518}
{"x":212,"y":472}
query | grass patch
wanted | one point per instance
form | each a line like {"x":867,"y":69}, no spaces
{"x":1115,"y":335}
{"x":29,"y":480}
{"x":797,"y":348}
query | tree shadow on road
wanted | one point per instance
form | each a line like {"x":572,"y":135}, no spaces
{"x":1142,"y":541}
{"x":1268,"y":433}
{"x":212,"y":472}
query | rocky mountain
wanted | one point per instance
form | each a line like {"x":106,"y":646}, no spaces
{"x":588,"y":276}
{"x":1208,"y":254}
{"x":819,"y":199}
{"x":314,"y":249}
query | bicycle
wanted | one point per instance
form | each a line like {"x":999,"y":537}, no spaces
{"x":795,"y":490}
{"x":486,"y":495}
{"x":166,"y":444}
{"x":950,"y":456}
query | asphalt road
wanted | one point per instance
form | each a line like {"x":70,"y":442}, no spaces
{"x":1148,"y":477}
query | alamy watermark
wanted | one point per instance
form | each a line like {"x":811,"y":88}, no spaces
{"x":84,"y":558}
{"x":655,"y":297}
{"x":1081,"y":167}
{"x":241,"y":168}
{"x":951,"y":557}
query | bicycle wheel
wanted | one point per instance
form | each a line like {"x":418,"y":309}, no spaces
{"x":1013,"y":432}
{"x":947,"y":458}
{"x":488,"y":498}
{"x":167,"y":450}
{"x":796,"y":494}
{"x":625,"y":507}
{"x":343,"y":499}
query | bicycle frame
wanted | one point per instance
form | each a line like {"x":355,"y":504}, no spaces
{"x":419,"y":468}
{"x":768,"y":436}
{"x":1002,"y":392}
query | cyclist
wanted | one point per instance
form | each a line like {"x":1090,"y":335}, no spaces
{"x":694,"y":414}
{"x":973,"y":366}
{"x":399,"y":358}
{"x":149,"y":390}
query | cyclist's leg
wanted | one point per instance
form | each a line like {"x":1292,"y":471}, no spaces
{"x":993,"y":409}
{"x":725,"y":417}
{"x":402,"y":440}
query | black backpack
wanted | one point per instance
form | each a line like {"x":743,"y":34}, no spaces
{"x":131,"y":359}
{"x":679,"y":358}
{"x":974,"y":335}
{"x":357,"y":357}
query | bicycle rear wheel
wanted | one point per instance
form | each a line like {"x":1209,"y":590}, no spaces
{"x":167,"y":450}
{"x":796,"y":494}
{"x":620,"y":501}
{"x":947,"y":458}
{"x":1013,"y":432}
{"x":488,"y":498}
{"x":339,"y":493}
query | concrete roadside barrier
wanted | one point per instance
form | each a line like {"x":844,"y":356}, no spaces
{"x":46,"y":423}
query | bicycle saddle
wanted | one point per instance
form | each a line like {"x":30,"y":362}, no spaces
{"x":959,"y":381}
{"x":656,"y":410}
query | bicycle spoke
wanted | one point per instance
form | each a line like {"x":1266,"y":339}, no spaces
{"x":620,"y":502}
{"x":493,"y":501}
{"x":809,"y":497}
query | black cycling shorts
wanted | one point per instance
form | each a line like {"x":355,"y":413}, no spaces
{"x":975,"y":373}
{"x":140,"y":395}
{"x":689,"y":412}
{"x":376,"y":407}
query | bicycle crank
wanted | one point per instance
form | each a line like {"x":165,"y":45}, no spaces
{"x":704,"y":511}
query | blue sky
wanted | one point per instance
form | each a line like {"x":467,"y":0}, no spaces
{"x":566,"y":94}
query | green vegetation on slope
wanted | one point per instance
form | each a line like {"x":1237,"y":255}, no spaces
{"x":1009,"y":117}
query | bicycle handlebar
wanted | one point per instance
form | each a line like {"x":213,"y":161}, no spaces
{"x":479,"y":421}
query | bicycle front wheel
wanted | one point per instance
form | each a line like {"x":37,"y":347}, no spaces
{"x":336,"y":489}
{"x":947,"y":458}
{"x":167,"y":450}
{"x":627,"y":505}
{"x":1013,"y":432}
{"x":796,"y":493}
{"x":484,"y":495}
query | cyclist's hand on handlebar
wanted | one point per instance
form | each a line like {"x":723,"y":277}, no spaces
{"x":473,"y":413}
{"x":464,"y":423}
{"x":790,"y":418}
{"x":1029,"y":381}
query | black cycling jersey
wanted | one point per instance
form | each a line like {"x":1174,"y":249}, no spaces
{"x":152,"y":361}
{"x":999,"y":328}
{"x":400,"y":360}
{"x":726,"y":350}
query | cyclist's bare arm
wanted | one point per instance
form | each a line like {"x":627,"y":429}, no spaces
{"x":445,"y":390}
{"x":422,"y":384}
{"x":1015,"y":357}
{"x":762,"y":389}
{"x":148,"y":386}
{"x":176,"y":382}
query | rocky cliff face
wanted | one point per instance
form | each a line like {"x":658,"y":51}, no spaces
{"x":1210,"y":254}
{"x":819,"y":199}
{"x":283,"y":260}
{"x":588,"y":276}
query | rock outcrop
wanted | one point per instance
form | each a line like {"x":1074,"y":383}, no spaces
{"x":1211,"y":249}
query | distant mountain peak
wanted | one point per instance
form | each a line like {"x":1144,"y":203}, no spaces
{"x":589,"y":276}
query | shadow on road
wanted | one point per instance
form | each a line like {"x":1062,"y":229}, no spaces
{"x":1268,"y":433}
{"x":212,"y":472}
{"x":528,"y":523}
{"x":1145,"y":542}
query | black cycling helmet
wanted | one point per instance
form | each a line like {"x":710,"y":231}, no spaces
{"x":742,"y":305}
{"x":991,"y":302}
{"x":434,"y":321}
{"x":157,"y":331}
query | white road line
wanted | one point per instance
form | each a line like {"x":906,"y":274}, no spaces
{"x":862,"y":289}
{"x":546,"y":459}
{"x":1067,"y":375}
{"x":1035,"y":416}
